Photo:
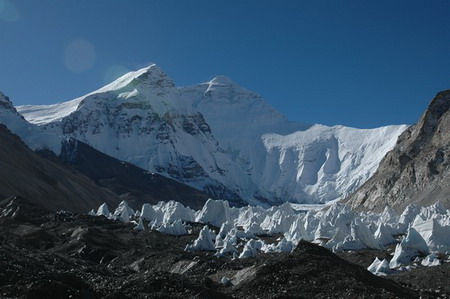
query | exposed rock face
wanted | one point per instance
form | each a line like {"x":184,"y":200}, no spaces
{"x":52,"y":186}
{"x":417,"y":169}
{"x":130,"y":182}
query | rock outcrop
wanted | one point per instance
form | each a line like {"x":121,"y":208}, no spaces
{"x":51,"y":185}
{"x":417,"y":170}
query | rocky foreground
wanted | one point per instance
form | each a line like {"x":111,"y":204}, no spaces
{"x":65,"y":255}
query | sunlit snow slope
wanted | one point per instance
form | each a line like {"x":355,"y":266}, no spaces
{"x":219,"y":137}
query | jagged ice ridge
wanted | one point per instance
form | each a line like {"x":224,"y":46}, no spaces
{"x":423,"y":231}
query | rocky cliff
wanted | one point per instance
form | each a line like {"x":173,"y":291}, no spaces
{"x":417,"y":170}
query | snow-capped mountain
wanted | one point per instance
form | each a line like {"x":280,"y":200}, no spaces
{"x":82,"y":175}
{"x":286,"y":159}
{"x":141,"y":118}
{"x":31,"y":134}
{"x":219,"y":137}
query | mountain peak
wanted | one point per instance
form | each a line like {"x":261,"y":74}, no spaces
{"x":221,"y":80}
{"x":4,"y":98}
{"x":5,"y":102}
{"x":225,"y":88}
{"x":151,"y":76}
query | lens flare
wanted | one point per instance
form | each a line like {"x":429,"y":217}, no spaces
{"x":79,"y":56}
{"x":8,"y":11}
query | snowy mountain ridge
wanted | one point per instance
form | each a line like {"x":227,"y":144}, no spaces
{"x":218,"y":137}
{"x":30,"y":133}
{"x":123,"y":86}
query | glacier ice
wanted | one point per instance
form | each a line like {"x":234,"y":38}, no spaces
{"x":227,"y":247}
{"x":140,"y":225}
{"x":384,"y":235}
{"x":175,"y":228}
{"x":148,"y":213}
{"x":431,"y":260}
{"x":215,"y":212}
{"x":203,"y":242}
{"x":249,"y":249}
{"x":411,"y":246}
{"x":123,"y":212}
{"x":103,"y":210}
{"x":380,"y":268}
{"x":336,"y":227}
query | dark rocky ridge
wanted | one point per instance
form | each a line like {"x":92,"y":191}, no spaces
{"x":417,"y":170}
{"x":130,"y":182}
{"x":57,"y":255}
{"x":51,"y":185}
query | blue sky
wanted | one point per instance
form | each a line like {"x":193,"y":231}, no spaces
{"x":357,"y":63}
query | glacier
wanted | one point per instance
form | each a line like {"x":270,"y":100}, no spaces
{"x":218,"y":137}
{"x":421,"y":239}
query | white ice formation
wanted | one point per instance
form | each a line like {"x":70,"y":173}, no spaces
{"x":431,"y":260}
{"x":140,"y":225}
{"x":123,"y":212}
{"x":249,"y":249}
{"x":103,"y":210}
{"x":204,"y":242}
{"x":380,"y":268}
{"x":421,"y":234}
{"x":175,"y":228}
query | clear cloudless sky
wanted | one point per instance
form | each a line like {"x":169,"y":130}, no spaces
{"x":358,"y":63}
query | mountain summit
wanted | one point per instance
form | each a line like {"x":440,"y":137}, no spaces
{"x":148,"y":78}
{"x":218,"y":137}
{"x":5,"y":103}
